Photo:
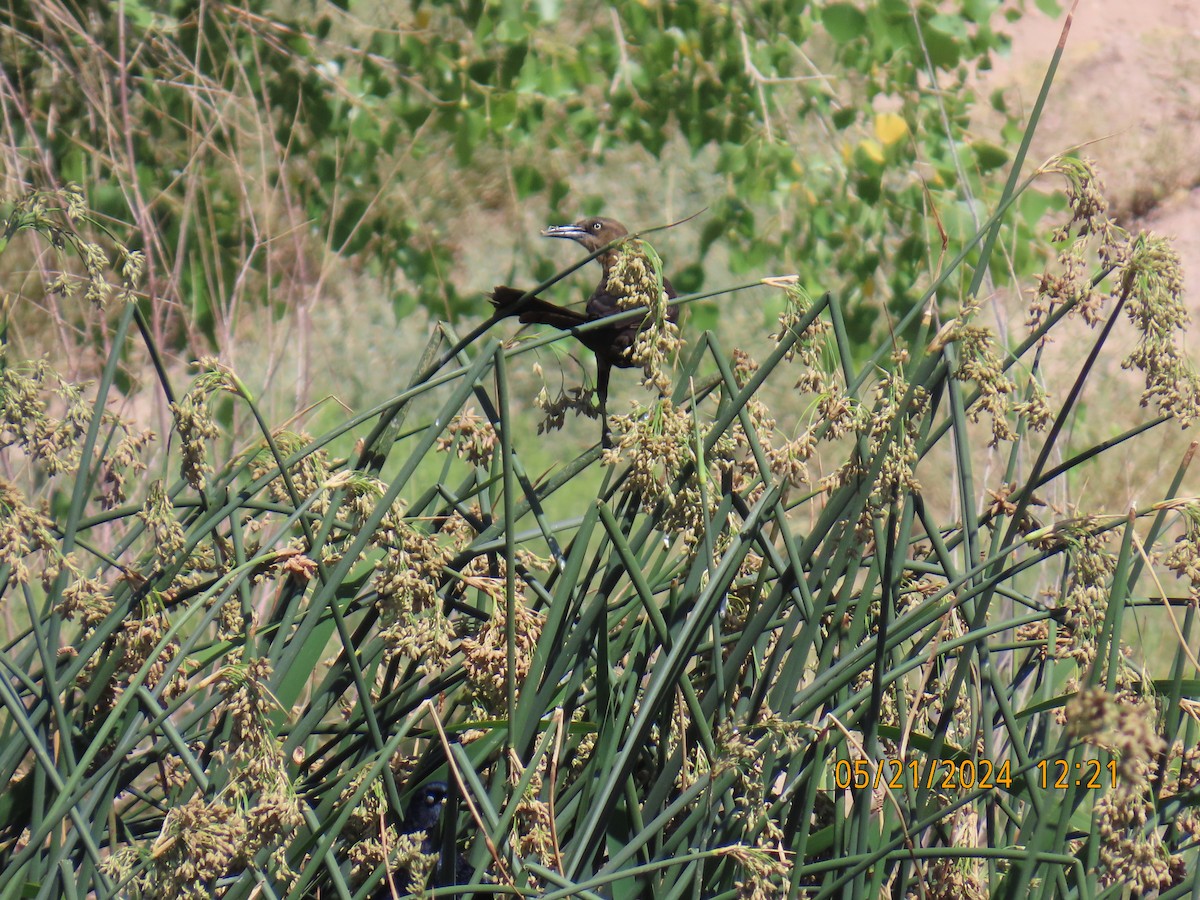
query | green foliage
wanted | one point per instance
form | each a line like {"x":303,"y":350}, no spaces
{"x":244,"y":135}
{"x":724,"y":675}
{"x":740,"y":666}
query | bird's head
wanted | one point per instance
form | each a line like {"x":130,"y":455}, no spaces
{"x":425,"y":807}
{"x":592,"y":233}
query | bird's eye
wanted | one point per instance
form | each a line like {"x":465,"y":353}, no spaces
{"x":595,"y":226}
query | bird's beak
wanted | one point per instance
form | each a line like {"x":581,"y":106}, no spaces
{"x":570,"y":232}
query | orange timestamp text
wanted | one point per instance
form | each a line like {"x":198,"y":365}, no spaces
{"x":1087,"y":774}
{"x":938,"y":774}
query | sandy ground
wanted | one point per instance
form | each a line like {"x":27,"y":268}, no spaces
{"x":1128,"y":86}
{"x":1127,"y":93}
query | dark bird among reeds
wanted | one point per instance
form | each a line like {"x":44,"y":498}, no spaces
{"x":613,"y":345}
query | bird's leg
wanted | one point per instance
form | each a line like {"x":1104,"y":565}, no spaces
{"x":603,"y":370}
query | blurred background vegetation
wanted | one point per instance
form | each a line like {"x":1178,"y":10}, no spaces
{"x":295,"y":170}
{"x":316,"y":192}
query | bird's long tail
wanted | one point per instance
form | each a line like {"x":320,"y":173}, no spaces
{"x":534,"y":310}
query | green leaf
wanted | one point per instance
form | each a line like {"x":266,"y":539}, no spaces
{"x":979,"y":10}
{"x":528,"y":180}
{"x":1033,"y":205}
{"x":549,"y":10}
{"x":844,"y":22}
{"x":511,"y":31}
{"x":365,"y":127}
{"x":502,"y":110}
{"x":733,"y":159}
{"x":988,"y":156}
{"x":944,"y":50}
{"x":348,"y":235}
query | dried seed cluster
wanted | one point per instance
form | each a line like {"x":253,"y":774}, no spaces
{"x":660,"y":444}
{"x":952,"y":877}
{"x":194,"y":422}
{"x":203,"y":839}
{"x":485,"y":656}
{"x":579,"y":400}
{"x":471,"y":437}
{"x":891,"y":428}
{"x":533,"y":834}
{"x":413,"y":623}
{"x":809,"y":343}
{"x":979,"y":363}
{"x":1182,"y":780}
{"x":1130,"y":854}
{"x":47,"y":417}
{"x":309,"y":476}
{"x":635,"y":278}
{"x":1072,"y":285}
{"x":1146,"y":276}
{"x":23,"y":531}
{"x":1184,"y":558}
{"x":118,"y":665}
{"x":1088,"y":589}
{"x":1153,"y":282}
{"x":761,"y":852}
{"x":57,"y":215}
{"x":167,"y":535}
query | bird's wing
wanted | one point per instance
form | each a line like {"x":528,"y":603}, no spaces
{"x":605,"y":303}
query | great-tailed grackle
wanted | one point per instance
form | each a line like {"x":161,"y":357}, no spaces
{"x":612,"y":345}
{"x":424,"y":815}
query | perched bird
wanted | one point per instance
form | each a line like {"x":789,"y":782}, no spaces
{"x":424,"y":814}
{"x":613,"y":344}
